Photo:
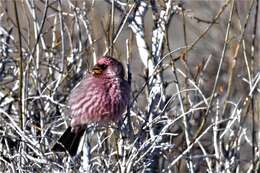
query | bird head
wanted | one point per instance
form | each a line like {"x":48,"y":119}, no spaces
{"x":108,"y":67}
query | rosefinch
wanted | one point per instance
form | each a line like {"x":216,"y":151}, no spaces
{"x":101,"y":97}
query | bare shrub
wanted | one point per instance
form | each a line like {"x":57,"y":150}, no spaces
{"x":194,"y":73}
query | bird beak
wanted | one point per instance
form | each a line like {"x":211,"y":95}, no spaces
{"x":97,"y":69}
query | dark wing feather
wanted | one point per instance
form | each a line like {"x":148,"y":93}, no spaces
{"x":69,"y":141}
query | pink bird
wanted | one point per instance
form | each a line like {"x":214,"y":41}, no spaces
{"x":101,"y":97}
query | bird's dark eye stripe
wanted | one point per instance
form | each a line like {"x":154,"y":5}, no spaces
{"x":102,"y":66}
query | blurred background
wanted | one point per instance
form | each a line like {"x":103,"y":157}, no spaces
{"x":194,"y":69}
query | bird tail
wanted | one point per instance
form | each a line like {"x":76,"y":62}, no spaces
{"x":69,"y":141}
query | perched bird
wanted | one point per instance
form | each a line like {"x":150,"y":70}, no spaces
{"x":100,"y":97}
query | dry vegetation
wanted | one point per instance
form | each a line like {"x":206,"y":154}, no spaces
{"x":194,"y":69}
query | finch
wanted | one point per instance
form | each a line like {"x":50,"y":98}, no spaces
{"x":102,"y":96}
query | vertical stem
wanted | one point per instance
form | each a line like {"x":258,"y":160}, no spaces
{"x":253,"y":47}
{"x":62,"y":38}
{"x":185,"y":106}
{"x":112,"y":27}
{"x":129,"y":78}
{"x":216,"y":139}
{"x":21,"y":86}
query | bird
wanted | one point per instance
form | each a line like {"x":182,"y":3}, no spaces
{"x":101,"y":97}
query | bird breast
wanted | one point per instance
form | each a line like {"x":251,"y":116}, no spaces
{"x":95,"y":100}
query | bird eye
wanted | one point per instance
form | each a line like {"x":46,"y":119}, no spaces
{"x":99,"y":68}
{"x":102,"y":66}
